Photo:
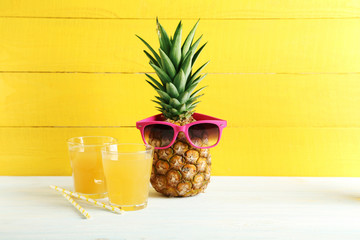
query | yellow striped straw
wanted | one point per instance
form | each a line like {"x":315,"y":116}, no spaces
{"x":100,"y":204}
{"x":77,"y":206}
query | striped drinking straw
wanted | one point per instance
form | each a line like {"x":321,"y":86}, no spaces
{"x":100,"y":204}
{"x":77,"y":206}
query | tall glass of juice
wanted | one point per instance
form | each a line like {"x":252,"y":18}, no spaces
{"x":127,"y":169}
{"x":86,"y":164}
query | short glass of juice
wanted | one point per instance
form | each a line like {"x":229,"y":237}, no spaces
{"x":127,"y":169}
{"x":86,"y":164}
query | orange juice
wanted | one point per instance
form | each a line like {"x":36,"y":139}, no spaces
{"x":87,"y":170}
{"x":127,"y":179}
{"x":86,"y":163}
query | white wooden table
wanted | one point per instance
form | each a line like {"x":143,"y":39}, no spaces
{"x":232,"y":208}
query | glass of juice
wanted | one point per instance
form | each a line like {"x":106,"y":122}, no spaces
{"x":86,"y":164}
{"x":127,"y":169}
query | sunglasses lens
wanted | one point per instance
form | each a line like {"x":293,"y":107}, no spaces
{"x":158,"y":135}
{"x":204,"y":134}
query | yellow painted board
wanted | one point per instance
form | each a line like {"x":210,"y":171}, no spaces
{"x":245,"y":100}
{"x":234,"y":46}
{"x":288,"y":152}
{"x":241,"y":152}
{"x":43,"y":151}
{"x":181,"y":9}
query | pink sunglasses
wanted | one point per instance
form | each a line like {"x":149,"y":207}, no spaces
{"x":205,"y":132}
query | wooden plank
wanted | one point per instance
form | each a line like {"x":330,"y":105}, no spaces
{"x":242,"y":151}
{"x":43,"y":151}
{"x":248,"y":46}
{"x":181,"y":9}
{"x":292,"y":100}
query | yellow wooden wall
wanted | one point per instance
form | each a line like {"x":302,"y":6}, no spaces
{"x":285,"y":74}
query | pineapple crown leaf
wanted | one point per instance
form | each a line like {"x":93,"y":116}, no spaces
{"x":151,"y":49}
{"x":184,"y":97}
{"x":198,"y":52}
{"x":189,"y":39}
{"x":175,"y":52}
{"x":164,"y":40}
{"x":193,"y":77}
{"x":155,"y":87}
{"x":174,"y":102}
{"x":180,"y":81}
{"x":173,"y":65}
{"x":152,"y":59}
{"x":196,"y":81}
{"x":161,"y":74}
{"x":186,"y":66}
{"x":193,"y":99}
{"x":172,"y":90}
{"x":197,"y":91}
{"x":163,"y":95}
{"x":167,"y":64}
{"x":158,"y":85}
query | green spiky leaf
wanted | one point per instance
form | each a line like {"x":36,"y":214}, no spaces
{"x":182,"y":108}
{"x":151,"y":49}
{"x":160,"y":99}
{"x":193,"y":84}
{"x":164,"y":95}
{"x":174,"y":111}
{"x":175,"y":52}
{"x":164,"y":40}
{"x":194,"y":76}
{"x":186,"y":66}
{"x":193,"y":99}
{"x":197,"y":91}
{"x":191,"y":108}
{"x":191,"y":52}
{"x":165,"y":106}
{"x":155,"y":82}
{"x":184,"y":97}
{"x":157,"y":102}
{"x":161,"y":74}
{"x":171,"y":90}
{"x":152,"y":59}
{"x":155,"y":87}
{"x":198,"y":52}
{"x":174,"y":102}
{"x":180,"y":81}
{"x":194,"y":46}
{"x":194,"y":104}
{"x":189,"y":39}
{"x":167,"y":64}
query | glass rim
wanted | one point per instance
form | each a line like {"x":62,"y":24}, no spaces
{"x":90,"y":145}
{"x":131,"y":152}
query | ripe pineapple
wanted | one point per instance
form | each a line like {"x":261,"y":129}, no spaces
{"x":180,"y":170}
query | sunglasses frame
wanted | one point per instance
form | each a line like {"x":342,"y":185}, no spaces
{"x":200,"y":118}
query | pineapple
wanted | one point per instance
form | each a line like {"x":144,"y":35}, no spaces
{"x":180,"y":170}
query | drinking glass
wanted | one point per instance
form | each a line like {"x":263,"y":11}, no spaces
{"x":86,"y":164}
{"x":127,"y":169}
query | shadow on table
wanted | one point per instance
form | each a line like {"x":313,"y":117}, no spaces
{"x":154,"y":194}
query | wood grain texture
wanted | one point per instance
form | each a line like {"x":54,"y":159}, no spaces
{"x":266,"y":100}
{"x":243,"y":151}
{"x":232,"y":208}
{"x":181,"y":9}
{"x":284,"y":74}
{"x":43,"y":151}
{"x":250,"y":46}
